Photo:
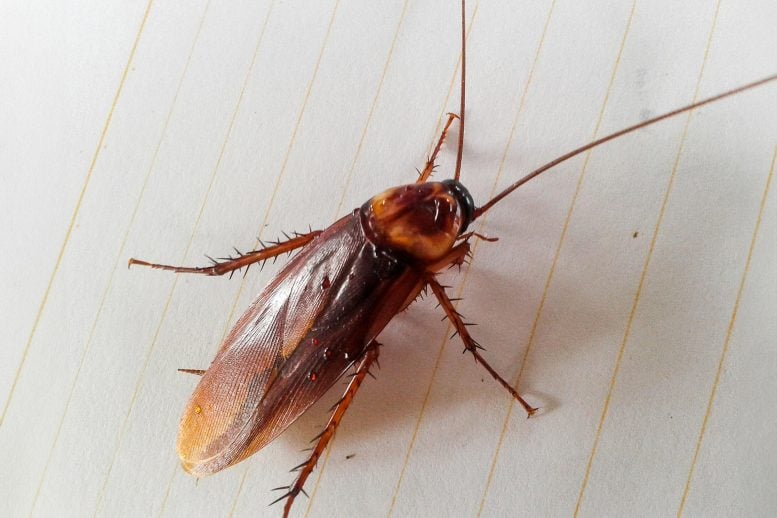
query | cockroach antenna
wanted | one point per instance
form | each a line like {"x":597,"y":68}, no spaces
{"x":563,"y":158}
{"x":462,"y":103}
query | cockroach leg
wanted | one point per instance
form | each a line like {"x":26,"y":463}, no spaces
{"x":455,"y":257}
{"x":469,"y":343}
{"x":429,"y":167}
{"x":231,"y":264}
{"x":479,"y":236}
{"x":322,"y":440}
{"x":198,"y":372}
{"x":459,"y":253}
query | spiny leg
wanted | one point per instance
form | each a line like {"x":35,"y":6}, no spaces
{"x":230,"y":264}
{"x":306,"y":468}
{"x":459,"y":253}
{"x":455,"y":257}
{"x":429,"y":167}
{"x":469,"y":343}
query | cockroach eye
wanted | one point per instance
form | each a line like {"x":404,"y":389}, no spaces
{"x":312,"y":376}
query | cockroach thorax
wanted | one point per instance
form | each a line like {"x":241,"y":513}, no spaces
{"x":420,"y":220}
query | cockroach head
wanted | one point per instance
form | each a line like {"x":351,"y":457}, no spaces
{"x":419,"y":220}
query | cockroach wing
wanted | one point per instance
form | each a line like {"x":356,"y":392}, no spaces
{"x":299,"y":336}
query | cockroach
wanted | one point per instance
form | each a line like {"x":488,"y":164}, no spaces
{"x":323,"y":311}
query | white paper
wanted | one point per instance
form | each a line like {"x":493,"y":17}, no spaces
{"x":637,"y":303}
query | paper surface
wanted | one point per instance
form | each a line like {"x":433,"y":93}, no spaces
{"x":634,"y":289}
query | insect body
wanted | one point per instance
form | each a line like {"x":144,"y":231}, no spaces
{"x":319,"y":316}
{"x":316,"y":318}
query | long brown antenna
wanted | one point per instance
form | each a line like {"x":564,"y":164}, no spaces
{"x":481,"y":210}
{"x":463,"y":90}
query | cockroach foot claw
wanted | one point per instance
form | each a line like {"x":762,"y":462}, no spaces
{"x":532,"y":411}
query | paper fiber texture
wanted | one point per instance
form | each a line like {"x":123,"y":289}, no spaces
{"x":631,"y":294}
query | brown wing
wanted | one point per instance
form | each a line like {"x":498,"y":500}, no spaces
{"x":295,"y":340}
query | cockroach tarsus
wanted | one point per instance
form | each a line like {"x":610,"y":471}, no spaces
{"x":322,"y":312}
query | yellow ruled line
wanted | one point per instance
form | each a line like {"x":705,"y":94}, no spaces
{"x":424,"y":403}
{"x":249,"y":72}
{"x":74,"y":216}
{"x":727,"y":340}
{"x":438,"y":126}
{"x":149,"y":352}
{"x":281,"y":174}
{"x":374,"y":104}
{"x":119,"y":260}
{"x":643,"y":275}
{"x":432,"y":143}
{"x":356,"y":157}
{"x":508,"y":145}
{"x":557,"y":253}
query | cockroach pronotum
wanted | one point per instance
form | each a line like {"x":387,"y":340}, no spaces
{"x":323,"y":311}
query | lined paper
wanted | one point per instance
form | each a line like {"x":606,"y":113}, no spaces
{"x":631,"y":294}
